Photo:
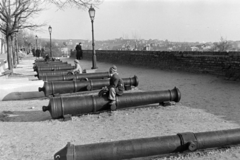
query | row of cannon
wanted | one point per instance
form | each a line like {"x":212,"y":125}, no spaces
{"x":59,"y":105}
{"x":57,"y":83}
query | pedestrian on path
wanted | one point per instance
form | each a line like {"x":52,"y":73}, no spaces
{"x":79,"y":51}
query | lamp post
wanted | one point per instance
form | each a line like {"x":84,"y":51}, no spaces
{"x":91,"y":12}
{"x":50,"y":33}
{"x":36,"y":41}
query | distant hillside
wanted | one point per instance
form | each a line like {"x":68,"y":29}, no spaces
{"x":151,"y":45}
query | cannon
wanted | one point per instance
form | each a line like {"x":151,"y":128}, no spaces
{"x":43,"y":60}
{"x":51,"y":73}
{"x":97,"y":75}
{"x":49,"y":62}
{"x":54,"y":68}
{"x":145,"y":147}
{"x":45,"y":65}
{"x":60,"y":87}
{"x":76,"y":105}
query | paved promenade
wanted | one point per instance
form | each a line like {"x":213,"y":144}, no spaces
{"x":208,"y":103}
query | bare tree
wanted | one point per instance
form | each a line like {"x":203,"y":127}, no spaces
{"x":14,"y":15}
{"x":82,"y":4}
{"x":223,"y":45}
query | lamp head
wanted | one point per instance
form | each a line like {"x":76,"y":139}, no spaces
{"x":50,"y":29}
{"x":91,"y":12}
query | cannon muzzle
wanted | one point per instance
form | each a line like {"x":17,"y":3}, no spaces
{"x":145,"y":147}
{"x":45,"y":108}
{"x":76,"y":105}
{"x":40,"y":89}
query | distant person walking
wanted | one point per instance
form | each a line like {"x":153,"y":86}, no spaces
{"x":38,"y":52}
{"x":42,"y":52}
{"x":34,"y":52}
{"x":79,"y":51}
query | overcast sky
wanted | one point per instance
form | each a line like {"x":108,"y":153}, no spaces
{"x":175,"y":20}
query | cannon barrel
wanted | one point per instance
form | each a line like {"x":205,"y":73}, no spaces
{"x":145,"y":147}
{"x":43,"y":60}
{"x":60,"y":87}
{"x":36,"y":66}
{"x":75,"y":105}
{"x":51,"y":73}
{"x":49,"y":63}
{"x":54,"y":68}
{"x":97,"y":75}
{"x":42,"y":68}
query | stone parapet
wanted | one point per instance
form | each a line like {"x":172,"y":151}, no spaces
{"x":225,"y":64}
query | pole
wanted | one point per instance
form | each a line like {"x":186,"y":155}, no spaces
{"x":50,"y":45}
{"x":94,"y":58}
{"x":36,"y":43}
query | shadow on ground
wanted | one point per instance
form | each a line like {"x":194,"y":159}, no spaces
{"x":24,"y":96}
{"x":24,"y":116}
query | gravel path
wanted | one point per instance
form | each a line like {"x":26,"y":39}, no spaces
{"x":208,"y":103}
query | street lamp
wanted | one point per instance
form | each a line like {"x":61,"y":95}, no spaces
{"x":50,"y":33}
{"x":91,"y":12}
{"x":36,"y":41}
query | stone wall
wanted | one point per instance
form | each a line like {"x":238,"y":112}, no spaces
{"x":218,"y":63}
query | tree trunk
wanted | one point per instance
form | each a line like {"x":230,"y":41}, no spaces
{"x":13,"y":52}
{"x":17,"y":49}
{"x":9,"y":54}
{"x":1,"y":46}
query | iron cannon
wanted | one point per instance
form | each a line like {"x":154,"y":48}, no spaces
{"x":60,"y":87}
{"x":54,"y":68}
{"x":145,"y":147}
{"x":97,"y":75}
{"x":37,"y":66}
{"x":51,"y":73}
{"x":43,"y":60}
{"x":49,"y":63}
{"x":76,"y":105}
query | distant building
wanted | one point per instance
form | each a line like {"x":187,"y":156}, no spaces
{"x":207,"y":48}
{"x":195,"y":49}
{"x":146,"y":48}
